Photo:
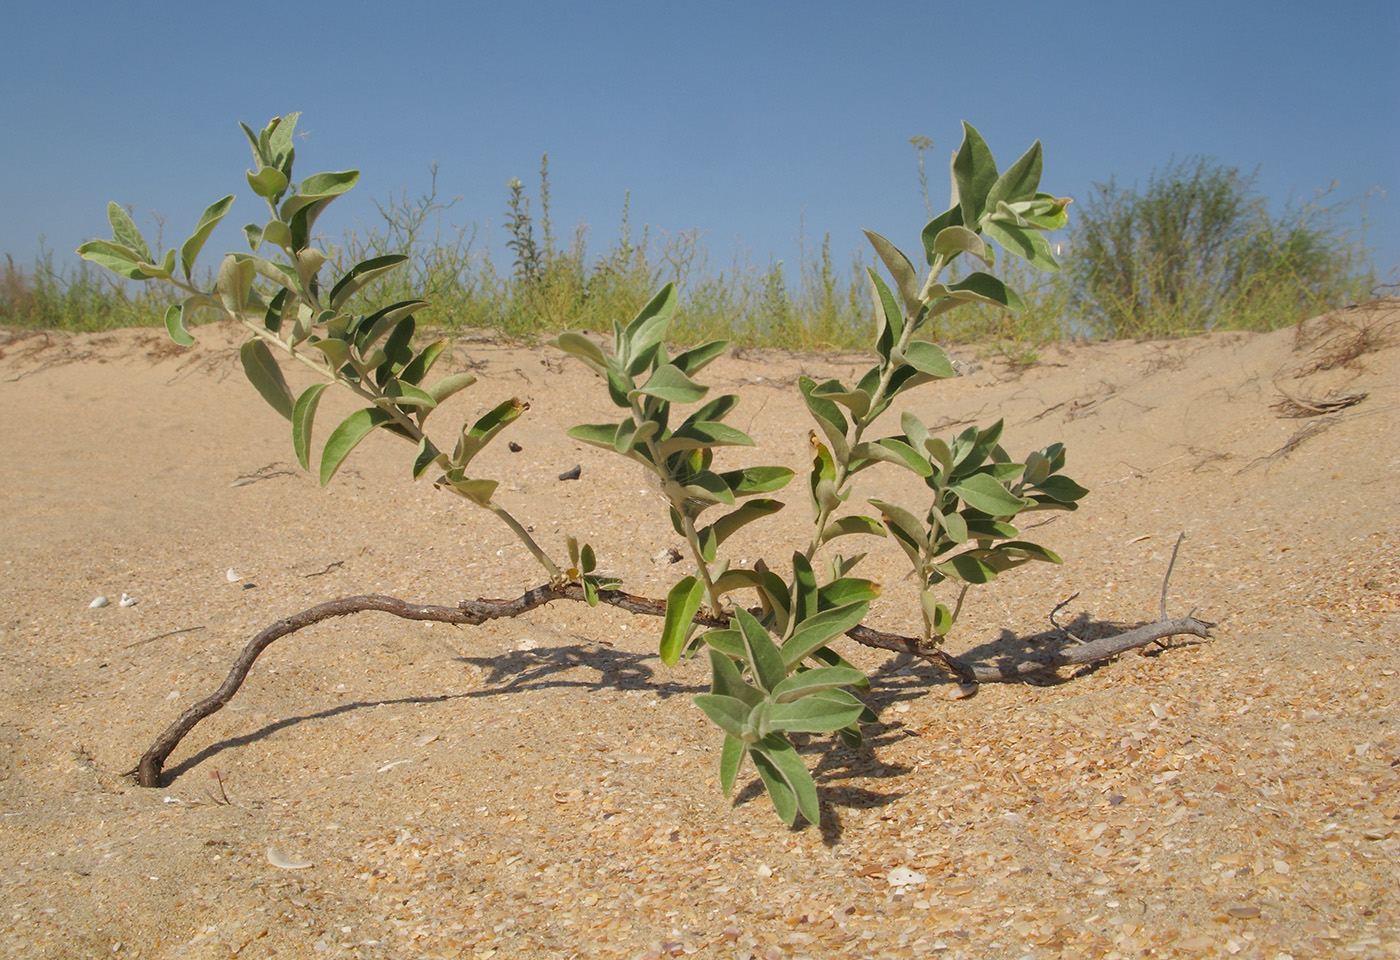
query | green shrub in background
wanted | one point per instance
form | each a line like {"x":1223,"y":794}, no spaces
{"x":1198,"y":250}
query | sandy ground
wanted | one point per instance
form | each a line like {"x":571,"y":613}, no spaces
{"x":544,"y":787}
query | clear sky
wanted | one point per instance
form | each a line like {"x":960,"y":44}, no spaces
{"x":742,"y":120}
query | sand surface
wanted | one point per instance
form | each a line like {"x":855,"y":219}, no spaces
{"x":544,"y":787}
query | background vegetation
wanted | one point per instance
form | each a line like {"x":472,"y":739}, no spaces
{"x":1195,"y":249}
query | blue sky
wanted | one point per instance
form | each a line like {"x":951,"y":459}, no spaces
{"x":741,"y":120}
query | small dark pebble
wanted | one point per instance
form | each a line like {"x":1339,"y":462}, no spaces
{"x":1116,"y":799}
{"x":514,"y":447}
{"x":573,"y":474}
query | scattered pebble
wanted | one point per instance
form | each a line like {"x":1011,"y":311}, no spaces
{"x":98,"y":602}
{"x":232,"y":577}
{"x":127,"y":601}
{"x":904,"y":877}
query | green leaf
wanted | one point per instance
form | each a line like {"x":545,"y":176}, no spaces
{"x":729,"y":524}
{"x":731,"y":757}
{"x":805,"y":597}
{"x":1020,"y":182}
{"x":595,"y":434}
{"x":728,"y":713}
{"x":968,"y":567}
{"x":268,"y":182}
{"x":124,"y":232}
{"x":318,"y":186}
{"x":266,"y":376}
{"x":361,"y":274}
{"x":235,"y":276}
{"x":849,"y":525}
{"x":955,"y":239}
{"x":702,"y":435}
{"x":982,"y":492}
{"x":303,"y":416}
{"x":692,"y":361}
{"x":752,"y":480}
{"x":813,"y":714}
{"x":784,"y":800}
{"x":682,"y":602}
{"x":476,"y":490}
{"x":398,"y":393}
{"x":857,"y":401}
{"x":1061,"y":488}
{"x":905,"y":279}
{"x":889,"y":322}
{"x":450,"y":384}
{"x":940,"y":619}
{"x":584,"y":349}
{"x":419,"y":366}
{"x":985,"y":288}
{"x":337,"y":351}
{"x":1027,"y":550}
{"x":208,"y":220}
{"x":828,"y":416}
{"x":646,"y":331}
{"x":726,"y":679}
{"x":777,"y":751}
{"x":844,"y":590}
{"x":763,"y":656}
{"x":667,"y":382}
{"x":974,"y":173}
{"x":476,"y":437}
{"x":938,"y":448}
{"x":347,"y":436}
{"x":426,"y":456}
{"x":903,"y":524}
{"x":115,"y":257}
{"x":952,"y":217}
{"x":929,"y":358}
{"x":892,"y":450}
{"x":1028,"y":244}
{"x":818,"y":630}
{"x":175,"y":322}
{"x":731,"y":644}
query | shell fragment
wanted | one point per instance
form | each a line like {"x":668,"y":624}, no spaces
{"x":283,"y":862}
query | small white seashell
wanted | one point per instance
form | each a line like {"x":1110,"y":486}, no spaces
{"x":390,"y":766}
{"x":904,"y":877}
{"x":764,"y":870}
{"x":127,"y":601}
{"x":99,"y":602}
{"x":283,"y":862}
{"x":962,"y":691}
{"x":424,"y":740}
{"x":232,"y":577}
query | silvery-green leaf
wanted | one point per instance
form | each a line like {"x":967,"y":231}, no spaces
{"x":667,"y":382}
{"x":776,"y":750}
{"x":813,"y":714}
{"x":268,"y":182}
{"x":731,"y":757}
{"x":779,"y":791}
{"x":905,"y":279}
{"x":692,"y":361}
{"x":361,"y":274}
{"x":939,"y":618}
{"x":893,"y":450}
{"x":929,"y":358}
{"x":347,"y":436}
{"x":762,"y":654}
{"x":115,"y":257}
{"x":982,"y":492}
{"x":819,"y":629}
{"x":450,"y":384}
{"x":1062,"y":489}
{"x":848,"y":525}
{"x":124,"y":232}
{"x":955,"y":239}
{"x":729,"y":714}
{"x":974,"y":172}
{"x":175,"y":322}
{"x":1025,"y":242}
{"x":426,"y":457}
{"x":419,"y":366}
{"x":208,"y":220}
{"x":682,"y":602}
{"x":266,"y":376}
{"x":303,"y":416}
{"x":969,"y":568}
{"x":1021,"y":180}
{"x":584,"y":349}
{"x":337,"y":351}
